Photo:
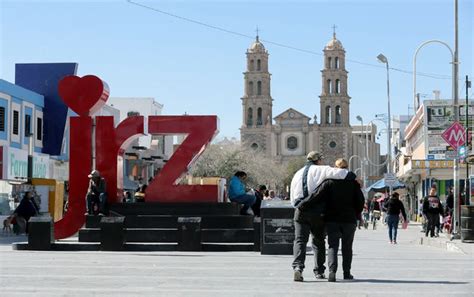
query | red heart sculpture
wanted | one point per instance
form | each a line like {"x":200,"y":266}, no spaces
{"x":84,"y":95}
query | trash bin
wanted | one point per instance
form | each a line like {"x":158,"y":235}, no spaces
{"x":277,"y":227}
{"x":467,"y":223}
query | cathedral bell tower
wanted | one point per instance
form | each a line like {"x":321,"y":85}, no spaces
{"x":334,"y":99}
{"x":334,"y":103}
{"x":257,"y":101}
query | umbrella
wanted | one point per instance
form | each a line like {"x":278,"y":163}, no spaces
{"x":380,"y":186}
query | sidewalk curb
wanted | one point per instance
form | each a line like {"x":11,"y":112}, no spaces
{"x":441,"y":243}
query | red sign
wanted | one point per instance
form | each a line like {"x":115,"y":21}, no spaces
{"x":87,"y":94}
{"x":455,"y":135}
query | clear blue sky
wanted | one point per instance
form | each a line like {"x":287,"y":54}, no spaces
{"x":198,"y":70}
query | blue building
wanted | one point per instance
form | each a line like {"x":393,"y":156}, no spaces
{"x":21,"y":116}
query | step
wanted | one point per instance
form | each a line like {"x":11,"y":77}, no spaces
{"x":170,"y":221}
{"x":133,"y":235}
{"x":227,"y":247}
{"x":228,"y":235}
{"x":142,"y":247}
{"x":190,"y":209}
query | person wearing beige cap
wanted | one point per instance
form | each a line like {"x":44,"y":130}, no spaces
{"x":310,"y":221}
{"x":96,"y":198}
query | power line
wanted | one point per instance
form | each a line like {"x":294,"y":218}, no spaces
{"x":430,"y":75}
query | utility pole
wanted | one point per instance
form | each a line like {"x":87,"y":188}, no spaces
{"x":456,"y":119}
{"x":468,"y":182}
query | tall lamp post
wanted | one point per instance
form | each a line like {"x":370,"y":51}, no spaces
{"x":364,"y":160}
{"x":383,"y":59}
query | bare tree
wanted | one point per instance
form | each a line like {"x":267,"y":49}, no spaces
{"x":225,"y":159}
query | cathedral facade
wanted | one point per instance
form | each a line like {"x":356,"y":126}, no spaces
{"x":294,"y":134}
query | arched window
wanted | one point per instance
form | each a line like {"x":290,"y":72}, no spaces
{"x":259,"y":88}
{"x":259,"y":117}
{"x":259,"y":65}
{"x":328,"y":86}
{"x":292,"y":143}
{"x":250,"y":91}
{"x":329,"y":62}
{"x":338,"y":115}
{"x":249,"y":117}
{"x":328,"y":114}
{"x":252,"y":65}
{"x":336,"y":62}
{"x":338,"y":86}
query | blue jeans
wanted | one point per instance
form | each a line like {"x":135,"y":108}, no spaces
{"x":246,"y":199}
{"x":392,"y":222}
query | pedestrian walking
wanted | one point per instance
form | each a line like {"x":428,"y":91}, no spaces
{"x":432,"y":209}
{"x":310,"y":219}
{"x":394,"y":208}
{"x":343,"y":201}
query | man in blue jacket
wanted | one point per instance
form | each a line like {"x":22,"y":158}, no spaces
{"x":238,"y":194}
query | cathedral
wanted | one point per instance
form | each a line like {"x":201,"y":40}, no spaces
{"x":294,"y":134}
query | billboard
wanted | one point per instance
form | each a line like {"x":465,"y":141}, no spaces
{"x":439,"y":117}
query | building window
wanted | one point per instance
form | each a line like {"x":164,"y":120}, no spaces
{"x":2,"y":118}
{"x":16,"y":122}
{"x":328,"y":114}
{"x":259,"y":88}
{"x":27,"y":125}
{"x":39,"y":129}
{"x":338,"y":115}
{"x":328,"y":87}
{"x":292,"y":143}
{"x":332,"y":144}
{"x":336,"y":63}
{"x":254,"y":146}
{"x":252,"y":65}
{"x":250,"y":88}
{"x":259,"y":65}
{"x":338,"y":86}
{"x":259,"y":117}
{"x":329,"y":62}
{"x":249,"y":117}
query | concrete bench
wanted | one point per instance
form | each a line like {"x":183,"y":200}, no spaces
{"x":40,"y":233}
{"x":189,"y":234}
{"x":112,"y":233}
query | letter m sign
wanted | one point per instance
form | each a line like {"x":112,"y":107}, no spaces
{"x":455,"y":135}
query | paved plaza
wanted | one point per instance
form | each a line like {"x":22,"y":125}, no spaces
{"x":381,"y":269}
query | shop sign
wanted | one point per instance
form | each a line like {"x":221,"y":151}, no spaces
{"x":15,"y":164}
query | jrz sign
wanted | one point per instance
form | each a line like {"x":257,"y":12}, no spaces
{"x":88,"y":94}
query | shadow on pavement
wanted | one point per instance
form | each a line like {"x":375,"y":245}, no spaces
{"x":402,"y":281}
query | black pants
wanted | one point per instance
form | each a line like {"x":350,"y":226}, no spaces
{"x":433,"y":220}
{"x":99,"y":200}
{"x":305,"y":225}
{"x":345,"y":233}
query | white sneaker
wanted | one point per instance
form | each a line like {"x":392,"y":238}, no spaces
{"x":297,"y":275}
{"x":250,"y":212}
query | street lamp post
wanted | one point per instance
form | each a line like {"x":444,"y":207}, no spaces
{"x":384,"y":60}
{"x":364,"y":160}
{"x":454,"y":91}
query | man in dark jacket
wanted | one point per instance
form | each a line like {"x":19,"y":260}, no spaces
{"x":432,"y":209}
{"x":342,"y":201}
{"x":394,"y":207}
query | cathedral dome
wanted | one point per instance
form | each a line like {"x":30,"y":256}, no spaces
{"x":257,"y":46}
{"x":334,"y":44}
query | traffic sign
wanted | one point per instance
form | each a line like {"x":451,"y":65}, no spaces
{"x":454,"y":135}
{"x":462,"y":151}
